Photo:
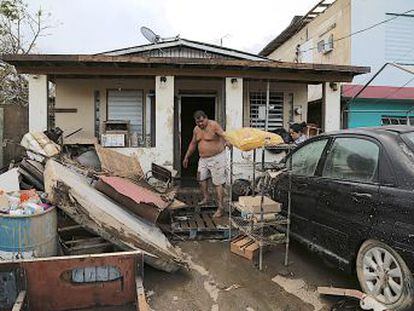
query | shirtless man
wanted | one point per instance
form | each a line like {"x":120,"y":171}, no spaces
{"x":208,"y":137}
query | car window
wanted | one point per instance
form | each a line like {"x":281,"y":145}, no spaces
{"x":306,"y":158}
{"x":352,"y":159}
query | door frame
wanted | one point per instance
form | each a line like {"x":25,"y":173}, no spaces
{"x":177,"y":123}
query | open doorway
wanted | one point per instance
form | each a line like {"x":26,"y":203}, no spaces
{"x":190,"y":104}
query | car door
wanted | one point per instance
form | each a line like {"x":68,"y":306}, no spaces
{"x":348,"y":195}
{"x":304,"y":195}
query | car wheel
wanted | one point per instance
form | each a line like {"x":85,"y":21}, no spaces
{"x":383,"y":274}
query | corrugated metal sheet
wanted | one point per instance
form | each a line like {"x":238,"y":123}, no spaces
{"x":127,"y":105}
{"x":181,"y":51}
{"x":258,"y":107}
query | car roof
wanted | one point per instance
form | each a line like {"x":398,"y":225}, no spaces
{"x":377,"y":132}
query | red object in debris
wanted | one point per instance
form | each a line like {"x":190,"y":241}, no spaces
{"x":142,"y":202}
{"x":25,"y":195}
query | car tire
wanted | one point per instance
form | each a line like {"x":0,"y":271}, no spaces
{"x":383,"y":274}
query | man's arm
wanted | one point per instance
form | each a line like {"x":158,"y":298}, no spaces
{"x":191,"y":148}
{"x":219,"y":131}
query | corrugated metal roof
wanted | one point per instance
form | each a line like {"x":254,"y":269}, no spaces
{"x":168,"y":47}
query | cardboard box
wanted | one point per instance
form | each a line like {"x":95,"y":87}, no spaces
{"x":251,"y":204}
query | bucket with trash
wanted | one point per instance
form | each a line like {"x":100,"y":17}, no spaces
{"x":28,"y":225}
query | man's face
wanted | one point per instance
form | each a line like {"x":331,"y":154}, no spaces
{"x":201,"y":122}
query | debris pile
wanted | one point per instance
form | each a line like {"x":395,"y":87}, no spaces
{"x":23,"y":203}
{"x":101,"y":190}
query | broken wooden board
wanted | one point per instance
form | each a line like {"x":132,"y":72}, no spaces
{"x":142,"y":202}
{"x":93,"y":210}
{"x":78,"y":282}
{"x":119,"y":164}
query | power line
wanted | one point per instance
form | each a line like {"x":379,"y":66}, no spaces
{"x":363,"y":30}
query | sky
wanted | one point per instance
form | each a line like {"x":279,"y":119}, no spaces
{"x":91,"y":26}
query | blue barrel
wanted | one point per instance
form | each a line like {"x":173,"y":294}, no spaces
{"x":23,"y":237}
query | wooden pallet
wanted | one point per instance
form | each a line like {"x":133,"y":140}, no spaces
{"x":199,"y":226}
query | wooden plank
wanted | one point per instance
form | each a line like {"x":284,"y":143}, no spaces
{"x":19,"y":303}
{"x":208,"y":221}
{"x":199,"y":221}
{"x":184,"y":225}
{"x":142,"y":304}
{"x":192,"y":223}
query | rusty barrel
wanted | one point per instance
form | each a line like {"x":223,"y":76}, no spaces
{"x":28,"y":236}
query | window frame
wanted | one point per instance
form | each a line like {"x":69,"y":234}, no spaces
{"x":144,"y":94}
{"x":321,"y":158}
{"x":375,"y":181}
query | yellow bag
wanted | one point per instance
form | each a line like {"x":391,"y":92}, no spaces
{"x":248,"y":138}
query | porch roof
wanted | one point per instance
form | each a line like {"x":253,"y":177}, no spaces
{"x":103,"y":65}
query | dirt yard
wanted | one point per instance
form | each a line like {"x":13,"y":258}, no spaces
{"x":220,"y":280}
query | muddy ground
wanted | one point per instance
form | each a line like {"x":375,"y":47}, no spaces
{"x":220,"y":280}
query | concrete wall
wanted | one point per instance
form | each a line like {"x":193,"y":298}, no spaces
{"x":335,"y":20}
{"x":374,"y":47}
{"x":38,"y":102}
{"x":79,"y":94}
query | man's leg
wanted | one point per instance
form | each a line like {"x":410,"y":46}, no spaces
{"x":218,"y":177}
{"x":204,"y":191}
{"x":220,"y":198}
{"x":203,"y":174}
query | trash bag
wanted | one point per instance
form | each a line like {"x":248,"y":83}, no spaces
{"x":248,"y":138}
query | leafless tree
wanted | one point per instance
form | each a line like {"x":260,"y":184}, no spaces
{"x":20,"y":30}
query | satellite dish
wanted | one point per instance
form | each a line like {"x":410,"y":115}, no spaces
{"x":150,"y":35}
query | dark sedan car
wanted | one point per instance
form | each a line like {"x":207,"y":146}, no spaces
{"x":352,"y":199}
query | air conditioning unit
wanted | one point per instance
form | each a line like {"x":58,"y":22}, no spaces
{"x":329,"y":45}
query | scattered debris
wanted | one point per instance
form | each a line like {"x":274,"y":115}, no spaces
{"x":89,"y":159}
{"x":39,"y":144}
{"x":119,"y":164}
{"x":87,"y":206}
{"x":9,"y":181}
{"x":366,"y":302}
{"x":22,"y":203}
{"x":299,"y":288}
{"x":140,"y":201}
{"x":234,"y":286}
{"x":32,"y":174}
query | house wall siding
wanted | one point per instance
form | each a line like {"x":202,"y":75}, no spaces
{"x":368,"y":112}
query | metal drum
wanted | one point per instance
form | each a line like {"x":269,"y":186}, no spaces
{"x":28,"y":236}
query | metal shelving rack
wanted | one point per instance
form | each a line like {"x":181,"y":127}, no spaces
{"x":269,"y":232}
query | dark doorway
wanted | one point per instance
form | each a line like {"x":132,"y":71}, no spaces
{"x":190,"y":104}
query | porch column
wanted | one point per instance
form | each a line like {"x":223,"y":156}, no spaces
{"x":38,"y":97}
{"x":234,"y":103}
{"x":331,"y":106}
{"x":164,"y":123}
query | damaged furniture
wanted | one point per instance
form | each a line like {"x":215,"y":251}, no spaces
{"x":73,"y":282}
{"x":87,"y":206}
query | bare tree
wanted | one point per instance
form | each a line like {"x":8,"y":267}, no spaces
{"x":20,"y":30}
